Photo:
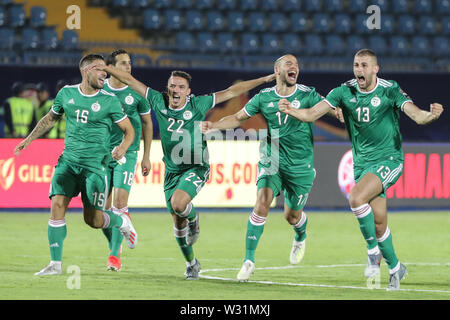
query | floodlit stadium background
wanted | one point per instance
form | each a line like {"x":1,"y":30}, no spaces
{"x":219,"y":42}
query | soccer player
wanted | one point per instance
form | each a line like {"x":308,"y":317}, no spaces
{"x":371,"y":109}
{"x":185,"y":151}
{"x":287,"y":163}
{"x":122,"y":174}
{"x":90,"y":112}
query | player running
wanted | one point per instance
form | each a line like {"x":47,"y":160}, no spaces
{"x":287,"y":159}
{"x":122,"y":174}
{"x":90,"y":113}
{"x":370,"y":107}
{"x":178,"y":113}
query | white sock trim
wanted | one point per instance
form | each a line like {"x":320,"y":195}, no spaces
{"x":180,"y":233}
{"x":385,"y":235}
{"x":191,"y":263}
{"x":257,"y":220}
{"x":119,"y":211}
{"x":375,"y":250}
{"x":57,"y":223}
{"x":186,"y":211}
{"x":301,"y":221}
{"x":362,"y":211}
{"x":395,"y":269}
{"x":106,"y":220}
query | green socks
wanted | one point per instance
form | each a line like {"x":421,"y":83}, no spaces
{"x":186,"y":250}
{"x":255,"y":228}
{"x":387,"y":249}
{"x":57,"y":232}
{"x":300,"y":228}
{"x":366,"y":221}
{"x":112,"y":234}
{"x":367,"y":225}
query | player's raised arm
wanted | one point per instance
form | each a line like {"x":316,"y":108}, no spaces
{"x":305,"y":115}
{"x":42,"y":127}
{"x":128,"y":137}
{"x":421,"y":116}
{"x":228,"y":122}
{"x":147,"y":132}
{"x":126,"y":78}
{"x":241,"y":87}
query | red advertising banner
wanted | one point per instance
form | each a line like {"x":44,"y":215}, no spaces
{"x":25,"y":179}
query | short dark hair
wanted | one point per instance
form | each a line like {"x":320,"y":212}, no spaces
{"x":367,"y":52}
{"x":111,"y":59}
{"x":87,"y":59}
{"x":182,"y":74}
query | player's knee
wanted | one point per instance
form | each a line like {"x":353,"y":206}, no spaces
{"x":292,"y":218}
{"x":178,"y":206}
{"x":355,"y":200}
{"x":92,"y":222}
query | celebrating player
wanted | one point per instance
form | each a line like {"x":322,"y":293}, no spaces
{"x":90,"y":112}
{"x":286,"y":164}
{"x":185,"y":152}
{"x":370,"y":107}
{"x":122,"y":174}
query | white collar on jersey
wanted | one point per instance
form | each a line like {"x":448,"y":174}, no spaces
{"x":281,"y":96}
{"x":87,"y":95}
{"x":364,"y":92}
{"x":112,"y":88}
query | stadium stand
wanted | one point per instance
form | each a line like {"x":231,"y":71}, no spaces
{"x":413,"y":31}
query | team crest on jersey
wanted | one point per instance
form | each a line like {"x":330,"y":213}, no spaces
{"x":95,"y":106}
{"x":187,"y":115}
{"x":375,"y":101}
{"x":295,"y":104}
{"x":129,"y":99}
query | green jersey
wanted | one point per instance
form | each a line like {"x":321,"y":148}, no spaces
{"x":371,"y":118}
{"x":182,"y":142}
{"x":294,"y":137}
{"x":134,"y":106}
{"x":89,"y":121}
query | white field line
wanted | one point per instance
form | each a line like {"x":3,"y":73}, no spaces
{"x":202,"y":275}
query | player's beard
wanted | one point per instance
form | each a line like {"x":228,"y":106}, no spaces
{"x":96,"y":84}
{"x":287,"y":83}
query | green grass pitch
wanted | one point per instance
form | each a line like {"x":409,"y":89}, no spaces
{"x":332,"y":268}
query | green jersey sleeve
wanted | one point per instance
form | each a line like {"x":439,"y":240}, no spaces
{"x":253,"y":106}
{"x":143,"y":106}
{"x":398,"y":96}
{"x":154,"y":98}
{"x":205,"y":103}
{"x":58,"y":103}
{"x":117,"y":113}
{"x":334,"y":97}
{"x":314,"y":98}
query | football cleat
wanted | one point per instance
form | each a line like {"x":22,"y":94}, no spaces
{"x":396,"y":277}
{"x":246,"y":271}
{"x":297,"y":251}
{"x":113,"y":264}
{"x":373,"y":265}
{"x":193,"y":231}
{"x":54,"y":268}
{"x":192,"y":272}
{"x":128,"y":232}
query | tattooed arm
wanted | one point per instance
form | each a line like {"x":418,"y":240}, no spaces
{"x":42,"y":127}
